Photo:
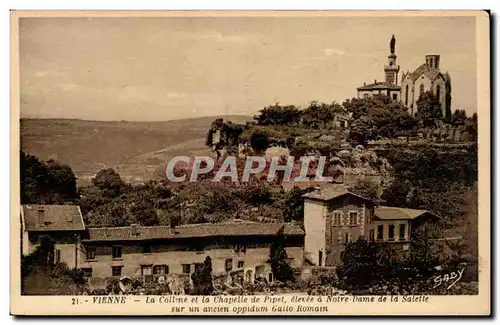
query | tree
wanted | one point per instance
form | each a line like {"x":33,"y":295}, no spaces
{"x":319,"y":115}
{"x":367,"y":189}
{"x":294,"y":205}
{"x":278,"y":115}
{"x":41,"y":275}
{"x":362,"y":130}
{"x":378,"y":116}
{"x":46,"y":182}
{"x":279,"y":259}
{"x":392,"y":119}
{"x":471,"y":126}
{"x":259,"y":141}
{"x":202,"y":279}
{"x":359,"y":107}
{"x":145,"y":214}
{"x":447,"y":97}
{"x":429,"y":112}
{"x":459,"y":117}
{"x":109,"y":182}
{"x":364,"y":263}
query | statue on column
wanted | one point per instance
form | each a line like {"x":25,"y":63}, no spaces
{"x":393,"y":44}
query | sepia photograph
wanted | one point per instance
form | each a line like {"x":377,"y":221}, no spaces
{"x":250,"y":163}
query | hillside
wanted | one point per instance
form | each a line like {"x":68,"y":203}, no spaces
{"x":134,"y":149}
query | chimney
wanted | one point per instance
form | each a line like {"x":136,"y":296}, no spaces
{"x":364,"y":83}
{"x":134,"y":230}
{"x":41,"y":216}
{"x":375,"y":81}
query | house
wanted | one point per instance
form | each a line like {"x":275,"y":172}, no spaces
{"x":389,"y":87}
{"x":334,"y":217}
{"x":161,"y":250}
{"x":61,"y":225}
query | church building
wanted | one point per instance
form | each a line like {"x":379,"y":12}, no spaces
{"x":427,"y":77}
{"x":389,"y":86}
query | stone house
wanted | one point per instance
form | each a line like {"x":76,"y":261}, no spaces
{"x":334,"y":217}
{"x":62,"y":225}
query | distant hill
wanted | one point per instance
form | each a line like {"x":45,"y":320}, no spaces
{"x":134,"y":149}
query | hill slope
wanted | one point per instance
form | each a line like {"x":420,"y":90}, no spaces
{"x":134,"y":149}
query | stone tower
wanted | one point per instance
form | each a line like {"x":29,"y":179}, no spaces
{"x":392,"y":69}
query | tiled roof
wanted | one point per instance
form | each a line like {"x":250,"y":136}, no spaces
{"x":425,"y":69}
{"x":330,"y":192}
{"x":380,"y":86}
{"x":394,"y":213}
{"x":55,"y":217}
{"x":241,"y":228}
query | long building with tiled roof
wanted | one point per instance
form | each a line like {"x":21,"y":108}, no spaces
{"x":333,"y":217}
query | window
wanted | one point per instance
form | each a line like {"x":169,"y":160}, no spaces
{"x":402,"y":231}
{"x":422,"y":90}
{"x":406,"y":95}
{"x":116,"y":270}
{"x":117,"y":252}
{"x":438,"y":91}
{"x":241,"y":264}
{"x":186,"y":268}
{"x":146,"y":249}
{"x":160,"y":269}
{"x":146,"y":269}
{"x":391,"y":232}
{"x":372,"y":234}
{"x":380,"y":232}
{"x":229,"y":264}
{"x":346,"y":238}
{"x":366,"y":95}
{"x":87,"y":272}
{"x":57,"y":255}
{"x":320,"y":258}
{"x":90,"y":253}
{"x":394,"y":96}
{"x":270,"y":277}
{"x":337,"y":218}
{"x":353,"y":218}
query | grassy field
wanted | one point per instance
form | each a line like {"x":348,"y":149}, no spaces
{"x":134,"y":149}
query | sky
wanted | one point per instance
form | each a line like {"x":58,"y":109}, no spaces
{"x":152,"y":69}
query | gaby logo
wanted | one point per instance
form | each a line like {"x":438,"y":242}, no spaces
{"x":290,"y":169}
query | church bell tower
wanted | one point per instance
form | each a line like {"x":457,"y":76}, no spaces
{"x":392,"y":69}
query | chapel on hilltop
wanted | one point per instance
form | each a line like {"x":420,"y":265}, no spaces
{"x":427,"y":77}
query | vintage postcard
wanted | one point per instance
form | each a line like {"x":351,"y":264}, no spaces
{"x":250,"y":163}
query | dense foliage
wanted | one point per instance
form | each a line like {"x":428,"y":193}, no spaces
{"x":202,"y":279}
{"x":46,"y":182}
{"x":40,"y":274}
{"x":278,"y":259}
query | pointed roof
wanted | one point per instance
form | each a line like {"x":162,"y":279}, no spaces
{"x":55,"y":217}
{"x":331,"y":192}
{"x":426,"y":70}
